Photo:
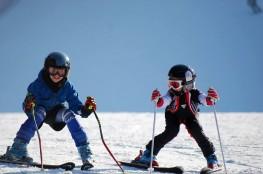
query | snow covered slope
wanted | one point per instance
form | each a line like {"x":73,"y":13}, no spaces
{"x":126,"y":133}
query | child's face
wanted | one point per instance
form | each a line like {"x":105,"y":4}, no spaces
{"x":56,"y":74}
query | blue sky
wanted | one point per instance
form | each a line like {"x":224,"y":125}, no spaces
{"x":121,"y":50}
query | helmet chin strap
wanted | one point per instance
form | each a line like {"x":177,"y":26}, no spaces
{"x":189,"y":86}
{"x":189,"y":80}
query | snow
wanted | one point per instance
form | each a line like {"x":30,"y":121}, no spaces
{"x":126,"y":133}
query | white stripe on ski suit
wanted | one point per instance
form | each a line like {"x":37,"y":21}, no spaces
{"x":167,"y":99}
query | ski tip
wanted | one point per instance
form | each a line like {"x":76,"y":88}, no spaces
{"x":68,"y":166}
{"x":175,"y":170}
{"x":179,"y":170}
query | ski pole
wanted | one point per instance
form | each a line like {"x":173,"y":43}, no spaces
{"x":38,"y":135}
{"x":153,"y":134}
{"x":219,"y":138}
{"x":105,"y":145}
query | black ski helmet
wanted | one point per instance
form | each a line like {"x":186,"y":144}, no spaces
{"x":58,"y":60}
{"x":184,"y":73}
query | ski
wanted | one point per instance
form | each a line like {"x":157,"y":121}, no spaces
{"x":176,"y":169}
{"x":207,"y":170}
{"x":65,"y":166}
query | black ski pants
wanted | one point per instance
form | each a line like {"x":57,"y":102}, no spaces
{"x":173,"y":121}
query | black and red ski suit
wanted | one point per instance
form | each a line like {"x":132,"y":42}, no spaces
{"x":183,"y":109}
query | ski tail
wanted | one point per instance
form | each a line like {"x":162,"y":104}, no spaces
{"x":65,"y":166}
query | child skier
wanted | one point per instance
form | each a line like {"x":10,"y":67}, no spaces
{"x":45,"y":100}
{"x":181,"y":102}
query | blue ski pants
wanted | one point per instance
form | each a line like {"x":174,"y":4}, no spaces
{"x":61,"y":116}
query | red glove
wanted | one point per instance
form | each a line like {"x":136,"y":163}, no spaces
{"x":156,"y":97}
{"x":212,"y":96}
{"x":29,"y":103}
{"x":90,"y":104}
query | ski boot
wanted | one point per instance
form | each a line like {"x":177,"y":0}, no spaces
{"x":85,"y":154}
{"x":18,"y":152}
{"x":212,"y":161}
{"x":144,"y":157}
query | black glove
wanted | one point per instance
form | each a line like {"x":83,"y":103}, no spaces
{"x":85,"y":112}
{"x":88,"y":108}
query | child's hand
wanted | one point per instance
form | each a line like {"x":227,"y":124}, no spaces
{"x":156,"y":95}
{"x":88,"y":107}
{"x":212,"y":96}
{"x":29,"y":103}
{"x":90,"y":104}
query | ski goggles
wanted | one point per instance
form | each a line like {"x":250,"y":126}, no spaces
{"x":175,"y":84}
{"x":57,"y":71}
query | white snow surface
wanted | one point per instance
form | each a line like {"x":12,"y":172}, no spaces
{"x":126,"y":133}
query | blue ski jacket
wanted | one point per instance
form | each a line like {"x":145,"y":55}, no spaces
{"x":47,"y":98}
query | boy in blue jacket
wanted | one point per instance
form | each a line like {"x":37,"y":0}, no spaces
{"x":47,"y":98}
